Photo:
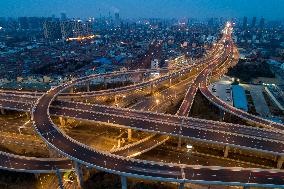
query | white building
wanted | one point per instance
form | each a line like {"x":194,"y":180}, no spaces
{"x":155,"y":64}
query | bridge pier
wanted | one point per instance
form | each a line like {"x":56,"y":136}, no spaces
{"x":180,"y":133}
{"x":62,"y":121}
{"x":179,"y":75}
{"x":59,"y":177}
{"x":37,"y":175}
{"x":226,"y":151}
{"x":105,"y":82}
{"x":88,"y":86}
{"x":123,"y":182}
{"x":179,"y":142}
{"x":181,"y":186}
{"x":222,"y":114}
{"x":79,"y":173}
{"x":280,"y":161}
{"x":2,"y":111}
{"x":118,"y":143}
{"x":28,"y":115}
{"x":152,"y":88}
{"x":71,"y":90}
{"x":129,"y":134}
{"x":142,"y":78}
{"x":115,"y":99}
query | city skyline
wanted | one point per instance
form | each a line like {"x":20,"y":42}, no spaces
{"x":272,"y":10}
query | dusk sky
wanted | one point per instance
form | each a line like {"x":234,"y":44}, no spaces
{"x":270,"y":9}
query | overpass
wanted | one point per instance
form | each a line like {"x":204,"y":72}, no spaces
{"x":82,"y":154}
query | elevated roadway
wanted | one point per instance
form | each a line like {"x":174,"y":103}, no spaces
{"x":117,"y":164}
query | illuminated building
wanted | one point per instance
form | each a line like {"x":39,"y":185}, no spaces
{"x":116,"y":20}
{"x":52,"y":30}
{"x":261,"y":23}
{"x":253,"y":24}
{"x":245,"y":22}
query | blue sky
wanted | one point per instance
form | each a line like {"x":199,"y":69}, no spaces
{"x":270,"y":9}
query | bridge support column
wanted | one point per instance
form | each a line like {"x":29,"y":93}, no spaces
{"x":2,"y":111}
{"x":142,"y":78}
{"x":59,"y":177}
{"x":280,"y":162}
{"x":105,"y":82}
{"x":28,"y":115}
{"x":79,"y":174}
{"x":62,"y":121}
{"x":37,"y":175}
{"x":222,"y":114}
{"x":152,"y":88}
{"x":71,"y":89}
{"x":123,"y":182}
{"x":181,"y":186}
{"x":226,"y":151}
{"x":179,"y":142}
{"x":115,"y":99}
{"x":129,"y":134}
{"x":179,"y":77}
{"x":88,"y":86}
{"x":118,"y":143}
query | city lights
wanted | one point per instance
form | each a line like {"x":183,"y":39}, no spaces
{"x":81,"y":38}
{"x":145,"y":92}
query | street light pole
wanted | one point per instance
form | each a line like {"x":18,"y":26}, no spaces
{"x":180,"y":131}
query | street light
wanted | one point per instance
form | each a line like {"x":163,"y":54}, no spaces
{"x":189,"y":147}
{"x":157,"y":102}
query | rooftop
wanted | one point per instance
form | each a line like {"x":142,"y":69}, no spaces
{"x":239,"y":98}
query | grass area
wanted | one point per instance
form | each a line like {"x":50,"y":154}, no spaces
{"x":203,"y":109}
{"x":173,"y":107}
{"x":15,"y":180}
{"x":246,"y":71}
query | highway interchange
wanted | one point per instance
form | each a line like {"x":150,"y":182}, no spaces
{"x":268,"y":139}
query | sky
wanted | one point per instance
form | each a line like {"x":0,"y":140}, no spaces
{"x":269,"y":9}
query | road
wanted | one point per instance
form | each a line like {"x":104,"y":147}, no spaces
{"x":146,"y":169}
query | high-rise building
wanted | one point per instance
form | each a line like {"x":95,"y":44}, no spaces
{"x":63,"y":16}
{"x":89,"y":27}
{"x":35,"y":22}
{"x":3,"y":22}
{"x":261,"y":23}
{"x":211,"y":22}
{"x":245,"y":22}
{"x":76,"y":28}
{"x":253,"y":23}
{"x":116,"y":20}
{"x":52,"y":30}
{"x":23,"y":23}
{"x":12,"y":24}
{"x":79,"y":28}
{"x":67,"y":29}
